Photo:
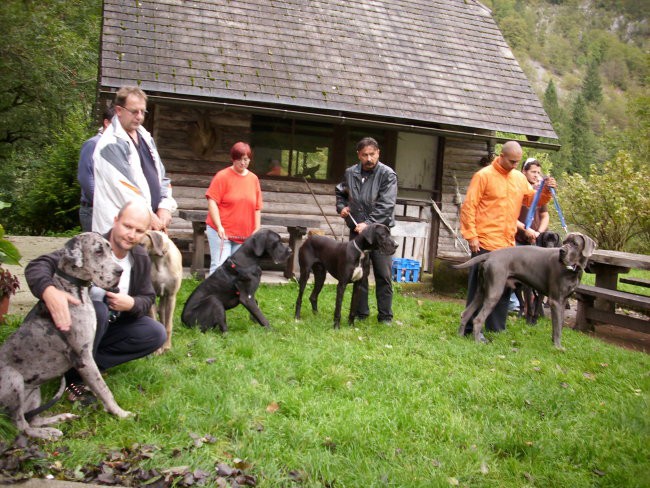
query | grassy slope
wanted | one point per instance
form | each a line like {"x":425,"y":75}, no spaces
{"x":406,"y":405}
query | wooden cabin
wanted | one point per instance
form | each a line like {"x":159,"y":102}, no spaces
{"x":432,"y":80}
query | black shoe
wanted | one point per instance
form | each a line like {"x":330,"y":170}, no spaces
{"x":78,"y":392}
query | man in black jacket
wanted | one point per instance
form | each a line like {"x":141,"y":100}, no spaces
{"x":124,"y":330}
{"x":367,"y":195}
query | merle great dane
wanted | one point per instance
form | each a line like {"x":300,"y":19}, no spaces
{"x":553,"y":272}
{"x":234,"y":282}
{"x":345,"y":261}
{"x":38,"y":351}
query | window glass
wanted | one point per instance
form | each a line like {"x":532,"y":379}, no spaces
{"x":292,"y":148}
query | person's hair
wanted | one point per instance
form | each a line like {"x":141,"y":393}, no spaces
{"x":365,"y":142}
{"x":108,"y":113}
{"x":239,"y":150}
{"x":122,"y":94}
{"x":530,"y":162}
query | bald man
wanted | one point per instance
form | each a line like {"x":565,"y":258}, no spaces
{"x":124,"y":330}
{"x":489,"y":217}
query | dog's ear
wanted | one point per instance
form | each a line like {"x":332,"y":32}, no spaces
{"x":259,"y":242}
{"x":158,"y":242}
{"x":72,"y":252}
{"x":589,"y":246}
{"x":369,"y":234}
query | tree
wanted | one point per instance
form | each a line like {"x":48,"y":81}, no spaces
{"x":582,"y":139}
{"x":612,"y":206}
{"x":48,"y":61}
{"x":551,"y":104}
{"x":592,"y":89}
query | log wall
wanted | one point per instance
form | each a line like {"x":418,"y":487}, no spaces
{"x":194,"y":144}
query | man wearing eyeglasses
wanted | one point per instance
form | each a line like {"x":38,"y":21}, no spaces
{"x":489,"y":218}
{"x":128,"y":167}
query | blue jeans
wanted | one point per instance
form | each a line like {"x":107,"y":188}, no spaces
{"x":220,"y":249}
{"x":86,"y":218}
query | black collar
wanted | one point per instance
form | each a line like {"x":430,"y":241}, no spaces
{"x":72,"y":279}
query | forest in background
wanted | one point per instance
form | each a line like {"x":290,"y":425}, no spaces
{"x":587,"y":60}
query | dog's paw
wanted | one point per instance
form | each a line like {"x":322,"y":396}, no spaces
{"x":123,"y":414}
{"x":47,"y":433}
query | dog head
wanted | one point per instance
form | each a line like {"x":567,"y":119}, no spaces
{"x":266,"y":241}
{"x":88,"y":258}
{"x":548,"y":239}
{"x":156,"y":243}
{"x":377,"y":237}
{"x":576,"y":250}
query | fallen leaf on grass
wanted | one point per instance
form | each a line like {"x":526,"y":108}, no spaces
{"x":272,"y":407}
{"x":589,"y":376}
{"x":453,"y":481}
{"x":484,"y":468}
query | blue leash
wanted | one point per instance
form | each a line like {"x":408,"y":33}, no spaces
{"x":533,"y":206}
{"x":531,"y":211}
{"x":559,"y":210}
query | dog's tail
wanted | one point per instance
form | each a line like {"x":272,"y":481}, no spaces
{"x":472,"y":262}
{"x":33,"y":413}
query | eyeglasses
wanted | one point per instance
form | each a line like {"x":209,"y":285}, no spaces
{"x":134,"y":112}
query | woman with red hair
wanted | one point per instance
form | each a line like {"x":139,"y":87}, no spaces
{"x":234,"y":206}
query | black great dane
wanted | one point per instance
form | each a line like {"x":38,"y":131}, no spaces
{"x":345,"y":261}
{"x":234,"y":282}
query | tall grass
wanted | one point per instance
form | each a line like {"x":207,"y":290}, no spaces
{"x":409,"y":404}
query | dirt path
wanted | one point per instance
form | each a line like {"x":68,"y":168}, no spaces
{"x":30,"y":247}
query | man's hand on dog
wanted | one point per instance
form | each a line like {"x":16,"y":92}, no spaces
{"x":120,"y":302}
{"x":58,"y":302}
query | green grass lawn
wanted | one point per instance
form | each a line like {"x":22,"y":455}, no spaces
{"x":410,"y":404}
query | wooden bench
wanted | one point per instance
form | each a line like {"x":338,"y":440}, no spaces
{"x":587,"y":313}
{"x":635,"y":281}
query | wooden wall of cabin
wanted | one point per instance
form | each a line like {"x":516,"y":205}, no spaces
{"x":462,"y":158}
{"x":194,"y":144}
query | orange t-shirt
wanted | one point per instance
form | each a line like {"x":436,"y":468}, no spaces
{"x":238,"y":198}
{"x":492,"y":205}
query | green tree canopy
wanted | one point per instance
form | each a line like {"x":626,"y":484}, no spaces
{"x":612,"y":206}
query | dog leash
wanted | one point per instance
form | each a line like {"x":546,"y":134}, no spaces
{"x":229,"y":238}
{"x":41,"y":408}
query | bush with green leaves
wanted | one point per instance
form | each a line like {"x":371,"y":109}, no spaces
{"x":612,"y":206}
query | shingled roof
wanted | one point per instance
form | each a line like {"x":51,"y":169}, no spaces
{"x":441,"y":62}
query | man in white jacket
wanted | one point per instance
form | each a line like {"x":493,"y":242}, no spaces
{"x":128,"y":167}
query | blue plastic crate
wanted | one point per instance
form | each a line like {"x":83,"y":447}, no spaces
{"x":405,"y":270}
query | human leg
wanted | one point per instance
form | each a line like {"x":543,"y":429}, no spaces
{"x":86,"y":218}
{"x":219,"y":249}
{"x":381,"y":265}
{"x":127,"y":339}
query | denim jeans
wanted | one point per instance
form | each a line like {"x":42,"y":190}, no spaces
{"x":220,"y":249}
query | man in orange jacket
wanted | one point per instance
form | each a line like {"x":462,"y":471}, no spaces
{"x":489,"y":217}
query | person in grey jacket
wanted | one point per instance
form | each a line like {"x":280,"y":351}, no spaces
{"x":86,"y":173}
{"x":367,"y":195}
{"x":124,"y":330}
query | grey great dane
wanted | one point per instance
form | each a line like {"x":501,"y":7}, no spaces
{"x":552,"y":272}
{"x":38,"y":351}
{"x":345,"y":261}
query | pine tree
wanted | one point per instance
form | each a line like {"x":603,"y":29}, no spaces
{"x":551,"y":104}
{"x":581,"y":138}
{"x":592,"y":89}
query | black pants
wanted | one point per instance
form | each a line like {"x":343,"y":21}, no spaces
{"x":381,"y":268}
{"x":124,"y":340}
{"x":496,"y":321}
